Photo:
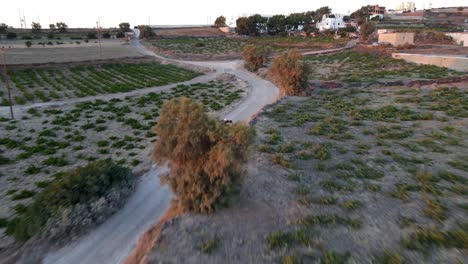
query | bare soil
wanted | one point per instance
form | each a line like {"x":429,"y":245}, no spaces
{"x":111,"y":49}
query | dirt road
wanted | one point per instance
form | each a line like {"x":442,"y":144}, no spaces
{"x":113,"y":241}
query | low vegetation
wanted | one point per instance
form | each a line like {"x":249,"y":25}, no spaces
{"x":60,"y":202}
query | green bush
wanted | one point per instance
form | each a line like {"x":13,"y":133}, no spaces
{"x":82,"y":185}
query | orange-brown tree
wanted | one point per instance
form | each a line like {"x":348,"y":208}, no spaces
{"x":255,"y":56}
{"x":289,"y":72}
{"x":205,"y":157}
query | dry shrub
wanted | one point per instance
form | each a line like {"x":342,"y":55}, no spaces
{"x":289,"y":72}
{"x":205,"y":157}
{"x":255,"y":56}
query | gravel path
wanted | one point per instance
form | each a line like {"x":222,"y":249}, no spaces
{"x":113,"y":241}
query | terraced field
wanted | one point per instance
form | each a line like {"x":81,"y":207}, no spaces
{"x":58,"y":83}
{"x":48,"y":141}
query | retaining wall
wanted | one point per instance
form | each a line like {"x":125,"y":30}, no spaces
{"x":459,"y":63}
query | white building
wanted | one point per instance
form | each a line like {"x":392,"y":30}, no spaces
{"x":332,"y":22}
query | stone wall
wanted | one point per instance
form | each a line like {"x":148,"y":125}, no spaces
{"x":459,"y":63}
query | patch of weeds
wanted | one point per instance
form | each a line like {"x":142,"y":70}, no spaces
{"x":302,"y":190}
{"x":372,"y":187}
{"x":427,"y":182}
{"x":280,"y":160}
{"x":294,"y":177}
{"x":286,"y":148}
{"x":42,"y":184}
{"x":358,"y":169}
{"x":55,"y":161}
{"x":291,"y":259}
{"x":331,"y":127}
{"x":451,"y":177}
{"x":24,"y":194}
{"x":32,"y":169}
{"x":264,"y":148}
{"x":389,"y":257}
{"x":405,"y":221}
{"x":434,"y":210}
{"x":321,"y":152}
{"x":351,"y":205}
{"x":402,"y":189}
{"x":335,"y":186}
{"x":209,"y":246}
{"x":461,"y":165}
{"x":424,"y":239}
{"x":280,"y":239}
{"x":303,"y":155}
{"x":330,"y":221}
{"x":332,"y":257}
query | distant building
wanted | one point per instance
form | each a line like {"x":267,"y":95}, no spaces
{"x":403,"y":8}
{"x":377,"y":10}
{"x":331,"y":22}
{"x":461,"y":38}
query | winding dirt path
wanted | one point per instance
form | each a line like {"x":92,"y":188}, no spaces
{"x":113,"y":241}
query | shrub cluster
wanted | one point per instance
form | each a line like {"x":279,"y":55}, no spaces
{"x":289,"y":72}
{"x":79,"y":187}
{"x":204,"y":156}
{"x":255,"y":56}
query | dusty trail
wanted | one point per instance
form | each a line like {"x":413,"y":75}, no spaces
{"x":113,"y":241}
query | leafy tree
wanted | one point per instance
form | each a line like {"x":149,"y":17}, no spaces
{"x":362,"y":14}
{"x":36,"y":27}
{"x":146,"y":32}
{"x":92,"y":35}
{"x":295,"y":20}
{"x":289,"y":72}
{"x":62,"y":27}
{"x":255,"y":56}
{"x":106,"y":35}
{"x":220,"y":22}
{"x":325,"y":10}
{"x":276,"y":24}
{"x":3,"y":27}
{"x":124,"y":27}
{"x":366,"y":30}
{"x":11,"y":35}
{"x":242,"y":26}
{"x":52,"y":27}
{"x":251,"y":25}
{"x":205,"y":157}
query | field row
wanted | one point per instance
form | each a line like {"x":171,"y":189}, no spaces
{"x":34,"y":85}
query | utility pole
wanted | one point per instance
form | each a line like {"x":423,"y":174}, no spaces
{"x":98,"y":25}
{"x":5,"y":76}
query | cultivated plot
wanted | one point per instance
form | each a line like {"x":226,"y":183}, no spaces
{"x":59,"y":83}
